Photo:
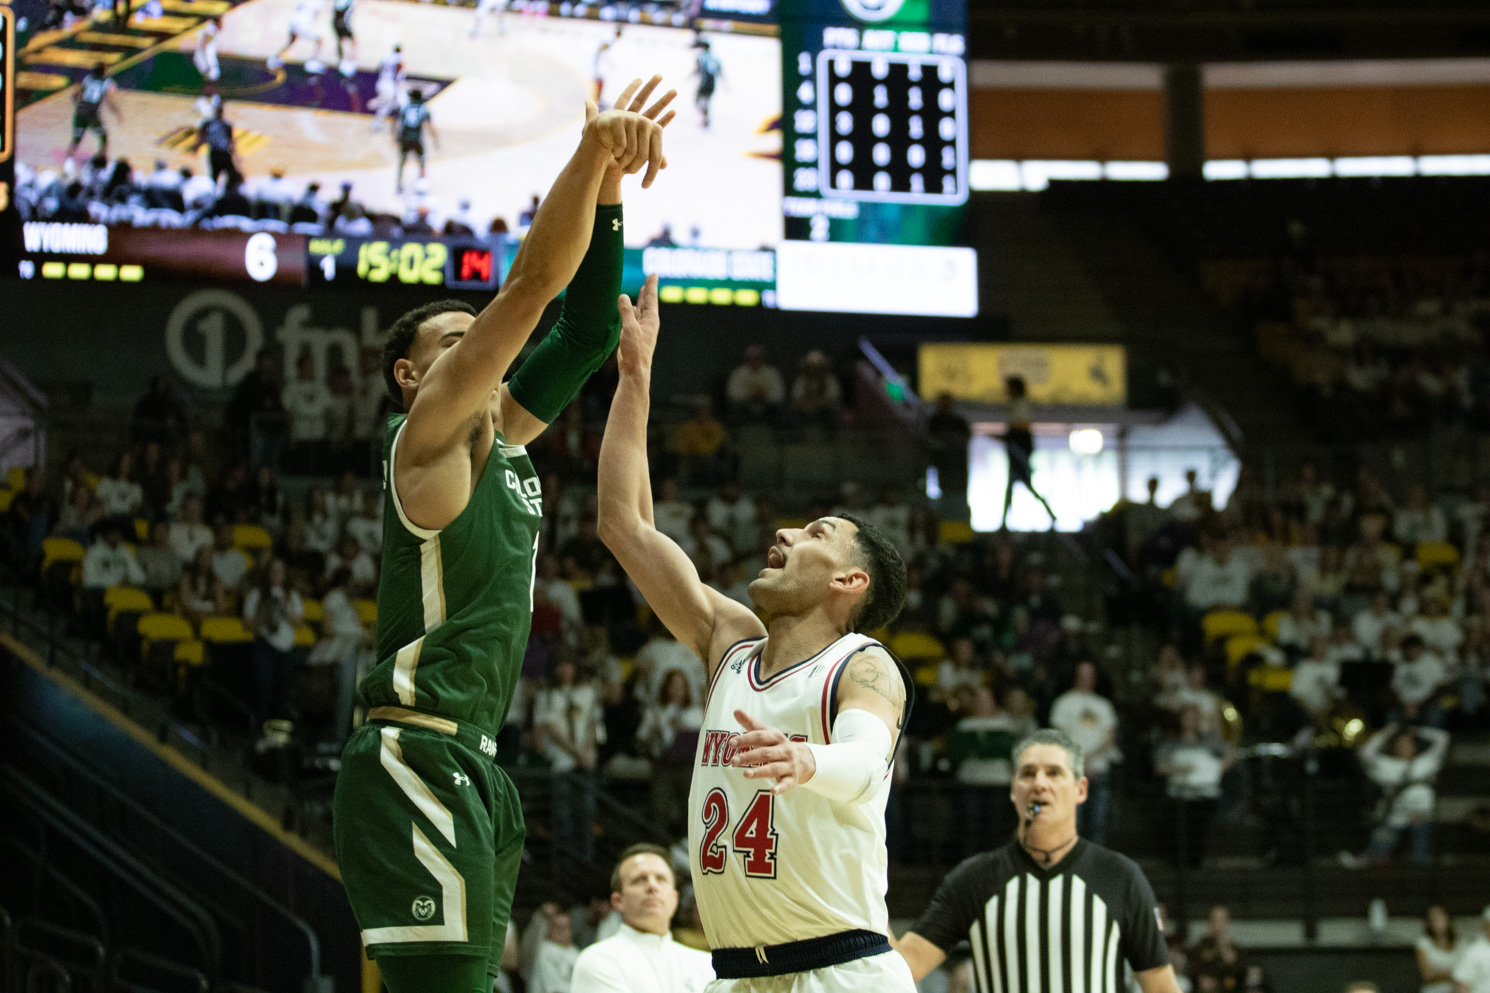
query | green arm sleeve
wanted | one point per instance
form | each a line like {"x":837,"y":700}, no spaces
{"x":585,"y":333}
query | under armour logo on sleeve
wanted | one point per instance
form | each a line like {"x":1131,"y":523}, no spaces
{"x":615,"y":224}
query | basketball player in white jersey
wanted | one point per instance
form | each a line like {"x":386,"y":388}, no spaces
{"x":391,"y":88}
{"x":486,"y":8}
{"x":205,"y":57}
{"x":305,"y":23}
{"x":786,"y":829}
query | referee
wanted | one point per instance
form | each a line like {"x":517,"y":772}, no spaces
{"x":1048,"y":912}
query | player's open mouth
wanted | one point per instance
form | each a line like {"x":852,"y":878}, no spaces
{"x":775,"y":558}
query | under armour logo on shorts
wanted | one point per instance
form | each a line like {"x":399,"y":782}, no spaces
{"x":424,"y":908}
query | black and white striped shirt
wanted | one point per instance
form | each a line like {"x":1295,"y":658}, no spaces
{"x":1067,"y":929}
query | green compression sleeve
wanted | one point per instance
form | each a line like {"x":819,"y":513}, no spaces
{"x":586,"y":332}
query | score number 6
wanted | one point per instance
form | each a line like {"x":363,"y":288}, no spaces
{"x":261,"y":257}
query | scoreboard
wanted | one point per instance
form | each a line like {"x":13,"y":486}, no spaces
{"x":9,"y":217}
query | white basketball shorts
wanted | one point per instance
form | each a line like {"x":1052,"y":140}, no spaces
{"x":883,"y":973}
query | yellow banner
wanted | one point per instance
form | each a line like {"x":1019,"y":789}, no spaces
{"x":1086,"y":375}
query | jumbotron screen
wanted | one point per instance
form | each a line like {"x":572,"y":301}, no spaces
{"x":818,"y":160}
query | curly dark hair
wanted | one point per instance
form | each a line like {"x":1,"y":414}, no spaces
{"x":881,"y":559}
{"x":401,"y":337}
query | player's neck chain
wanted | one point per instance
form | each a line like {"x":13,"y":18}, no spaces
{"x":1046,"y":856}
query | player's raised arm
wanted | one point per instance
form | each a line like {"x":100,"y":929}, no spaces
{"x":459,"y":384}
{"x":589,"y":324}
{"x":700,"y":617}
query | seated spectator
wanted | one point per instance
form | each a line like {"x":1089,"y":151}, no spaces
{"x":79,"y":515}
{"x":562,"y":596}
{"x":1372,"y":555}
{"x":1091,"y":721}
{"x":1472,"y":974}
{"x":816,"y":395}
{"x":668,"y":735}
{"x":1440,"y":632}
{"x":342,"y":643}
{"x":661,"y":655}
{"x":1316,"y":681}
{"x":980,"y":748}
{"x":699,"y":445}
{"x":321,"y":523}
{"x":229,"y":563}
{"x":732,"y":515}
{"x":158,"y":416}
{"x":232,"y":203}
{"x":566,"y":718}
{"x":672,"y":515}
{"x":309,"y":208}
{"x":120,"y":493}
{"x":553,"y":966}
{"x":155,"y":480}
{"x":704,"y":547}
{"x":755,"y":389}
{"x":460,"y":221}
{"x":30,"y":517}
{"x":1405,"y":777}
{"x":1417,"y":521}
{"x":1020,"y":710}
{"x":1273,"y":587}
{"x":584,"y":556}
{"x":1196,"y":694}
{"x":1439,"y":951}
{"x":265,"y":501}
{"x":308,"y":403}
{"x":158,"y":560}
{"x":1188,"y":506}
{"x":1304,"y":622}
{"x":1371,"y":623}
{"x":1419,"y":677}
{"x":1219,"y":579}
{"x":108,"y":563}
{"x":1193,"y":762}
{"x":1215,"y":956}
{"x":364,"y":571}
{"x":272,"y":611}
{"x":958,"y":672}
{"x":199,"y":593}
{"x":228,"y":499}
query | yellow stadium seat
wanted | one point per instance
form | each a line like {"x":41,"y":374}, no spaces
{"x":142,"y":530}
{"x":165,"y":627}
{"x":251,"y":536}
{"x":1271,"y":678}
{"x":125,"y":600}
{"x":92,"y":479}
{"x":225,"y":631}
{"x":1238,"y":646}
{"x":925,"y":675}
{"x":955,"y":532}
{"x":916,"y":645}
{"x":1221,"y":623}
{"x":1270,"y":624}
{"x":6,"y":496}
{"x":304,"y":636}
{"x":314,"y":610}
{"x":15,"y":478}
{"x":1170,"y":577}
{"x":190,"y":652}
{"x":367,"y":611}
{"x":60,"y":550}
{"x":1432,"y":554}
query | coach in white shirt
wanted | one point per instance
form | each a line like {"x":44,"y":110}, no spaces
{"x":642,"y":957}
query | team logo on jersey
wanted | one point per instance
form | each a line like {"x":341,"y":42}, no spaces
{"x":529,"y":492}
{"x":873,"y":11}
{"x":739,"y":663}
{"x":424,"y":908}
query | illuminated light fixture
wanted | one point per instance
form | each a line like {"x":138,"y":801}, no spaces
{"x":1454,"y":165}
{"x":1376,"y":165}
{"x":131,"y":273}
{"x":106,"y":272}
{"x":1225,"y":169}
{"x":748,"y":298}
{"x":1135,"y":171}
{"x":994,"y":174}
{"x":696,"y":294}
{"x":721,"y":295}
{"x":1086,"y":441}
{"x":79,"y":270}
{"x":53,"y":270}
{"x":1292,"y":169}
{"x":670,"y":294}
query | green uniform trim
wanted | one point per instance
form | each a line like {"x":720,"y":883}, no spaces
{"x":588,"y":328}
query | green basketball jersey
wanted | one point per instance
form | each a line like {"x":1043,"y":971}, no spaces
{"x":455,"y":605}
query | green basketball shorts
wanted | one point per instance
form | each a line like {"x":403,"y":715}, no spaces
{"x":429,"y":836}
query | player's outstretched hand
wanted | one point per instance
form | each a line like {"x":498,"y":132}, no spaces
{"x":766,"y":753}
{"x":632,"y":135}
{"x":639,"y":326}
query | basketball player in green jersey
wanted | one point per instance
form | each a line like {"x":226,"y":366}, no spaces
{"x":429,"y":831}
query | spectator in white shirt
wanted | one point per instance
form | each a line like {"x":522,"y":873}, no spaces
{"x":668,"y":735}
{"x":567,"y":719}
{"x":272,"y":610}
{"x":307,"y":401}
{"x":1439,"y":951}
{"x":365,"y":523}
{"x":732,"y":514}
{"x":1418,"y":676}
{"x":659,"y":656}
{"x":120,"y":493}
{"x":958,"y":671}
{"x":341,"y":645}
{"x":1186,"y":507}
{"x":1195,"y":694}
{"x":189,"y":535}
{"x":110,"y":562}
{"x":1220,"y":579}
{"x":671,"y":514}
{"x":1418,"y":521}
{"x":1370,"y":624}
{"x":755,"y":388}
{"x":1304,"y":622}
{"x":349,"y":555}
{"x":1472,"y":974}
{"x":727,"y":580}
{"x":553,"y":968}
{"x":1405,"y":778}
{"x":228,"y":563}
{"x":642,"y":957}
{"x":562,"y":596}
{"x":1091,"y":721}
{"x":321,"y":523}
{"x":1440,"y":632}
{"x":1316,"y":680}
{"x":161,"y":567}
{"x":705,"y":548}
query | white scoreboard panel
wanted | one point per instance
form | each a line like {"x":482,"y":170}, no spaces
{"x":892,"y":127}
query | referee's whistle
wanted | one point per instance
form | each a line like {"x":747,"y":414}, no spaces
{"x":1034,"y":810}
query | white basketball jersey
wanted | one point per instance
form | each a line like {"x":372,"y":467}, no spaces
{"x":768,"y":870}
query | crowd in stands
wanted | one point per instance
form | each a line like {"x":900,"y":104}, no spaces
{"x":101,"y":191}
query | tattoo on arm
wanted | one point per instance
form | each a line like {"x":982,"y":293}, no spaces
{"x":879,"y":676}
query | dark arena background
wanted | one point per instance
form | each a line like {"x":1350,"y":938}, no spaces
{"x":1238,"y":251}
